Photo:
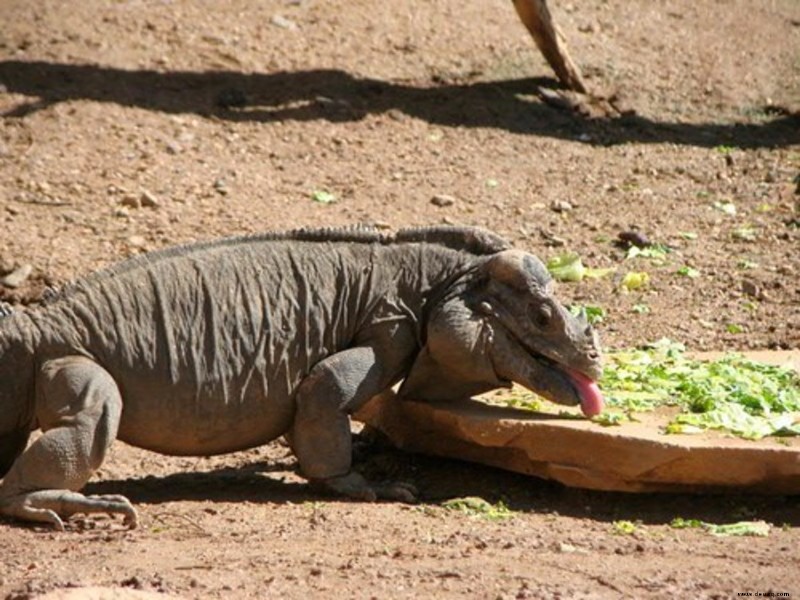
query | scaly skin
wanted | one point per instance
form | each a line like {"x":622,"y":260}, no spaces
{"x":217,"y":347}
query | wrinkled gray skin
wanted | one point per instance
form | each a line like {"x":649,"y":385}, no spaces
{"x":218,"y":347}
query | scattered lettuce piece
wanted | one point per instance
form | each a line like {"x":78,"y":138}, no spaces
{"x":475,"y":506}
{"x":749,"y":528}
{"x":569,"y":267}
{"x":688,"y":235}
{"x":681,"y":523}
{"x":634,"y":281}
{"x":753,"y":528}
{"x":727,"y":207}
{"x":734,"y":394}
{"x":655,"y":252}
{"x":323,"y":197}
{"x":593,"y":314}
{"x":641,"y":309}
{"x":624,"y":527}
{"x":609,"y":419}
{"x":745,"y":234}
{"x":687,"y":271}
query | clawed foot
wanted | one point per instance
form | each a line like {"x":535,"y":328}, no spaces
{"x":50,"y":506}
{"x":354,"y":485}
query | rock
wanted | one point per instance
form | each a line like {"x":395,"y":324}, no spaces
{"x":17,"y":277}
{"x":149,"y":200}
{"x":751,"y":288}
{"x":442,"y":200}
{"x":283,"y":22}
{"x":131,"y":201}
{"x":633,"y":238}
{"x":137,"y":241}
{"x":173,"y":147}
{"x":221,"y":187}
{"x":560,"y":206}
{"x":632,"y":457}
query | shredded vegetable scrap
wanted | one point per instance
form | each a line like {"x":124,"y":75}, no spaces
{"x":732,"y":394}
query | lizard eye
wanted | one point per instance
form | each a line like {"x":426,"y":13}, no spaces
{"x":541,"y":315}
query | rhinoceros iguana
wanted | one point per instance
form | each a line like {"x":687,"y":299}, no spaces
{"x":215,"y":347}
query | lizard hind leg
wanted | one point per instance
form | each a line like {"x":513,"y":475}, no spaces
{"x":78,"y":407}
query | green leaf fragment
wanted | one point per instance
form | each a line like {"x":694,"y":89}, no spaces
{"x":609,"y":419}
{"x":569,"y":267}
{"x":689,"y":272}
{"x":733,"y":394}
{"x":478,"y":507}
{"x":323,"y":197}
{"x":725,"y":149}
{"x":742,"y":528}
{"x":593,"y":314}
{"x":681,"y":523}
{"x":634,"y":281}
{"x":641,"y":309}
{"x":688,"y":235}
{"x":655,"y":252}
{"x":624,"y":527}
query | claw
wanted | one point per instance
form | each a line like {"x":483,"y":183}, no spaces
{"x":397,"y":490}
{"x":354,"y":485}
{"x":49,"y":506}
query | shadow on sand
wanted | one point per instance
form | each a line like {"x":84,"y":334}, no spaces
{"x":337,"y":96}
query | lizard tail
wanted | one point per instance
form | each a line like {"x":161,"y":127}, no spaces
{"x":11,"y":446}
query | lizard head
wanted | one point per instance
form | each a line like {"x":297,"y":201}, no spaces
{"x":507,"y":326}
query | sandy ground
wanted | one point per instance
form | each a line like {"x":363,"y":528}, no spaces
{"x":131,"y":125}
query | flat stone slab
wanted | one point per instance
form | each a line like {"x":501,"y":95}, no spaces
{"x":631,"y":457}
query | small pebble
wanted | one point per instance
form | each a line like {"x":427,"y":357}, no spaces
{"x":283,"y":22}
{"x":131,"y":201}
{"x":148,"y":199}
{"x":17,"y":277}
{"x":560,"y":206}
{"x":443,"y":200}
{"x":221,"y":187}
{"x":137,"y":241}
{"x":633,"y":238}
{"x":751,"y":288}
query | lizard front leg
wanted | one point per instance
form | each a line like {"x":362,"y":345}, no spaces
{"x":78,"y":406}
{"x":320,"y":436}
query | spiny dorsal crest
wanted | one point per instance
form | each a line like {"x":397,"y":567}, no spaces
{"x":474,"y":240}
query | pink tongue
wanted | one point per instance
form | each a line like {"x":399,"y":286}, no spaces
{"x":591,"y":398}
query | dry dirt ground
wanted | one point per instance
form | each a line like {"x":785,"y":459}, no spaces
{"x":131,"y":125}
